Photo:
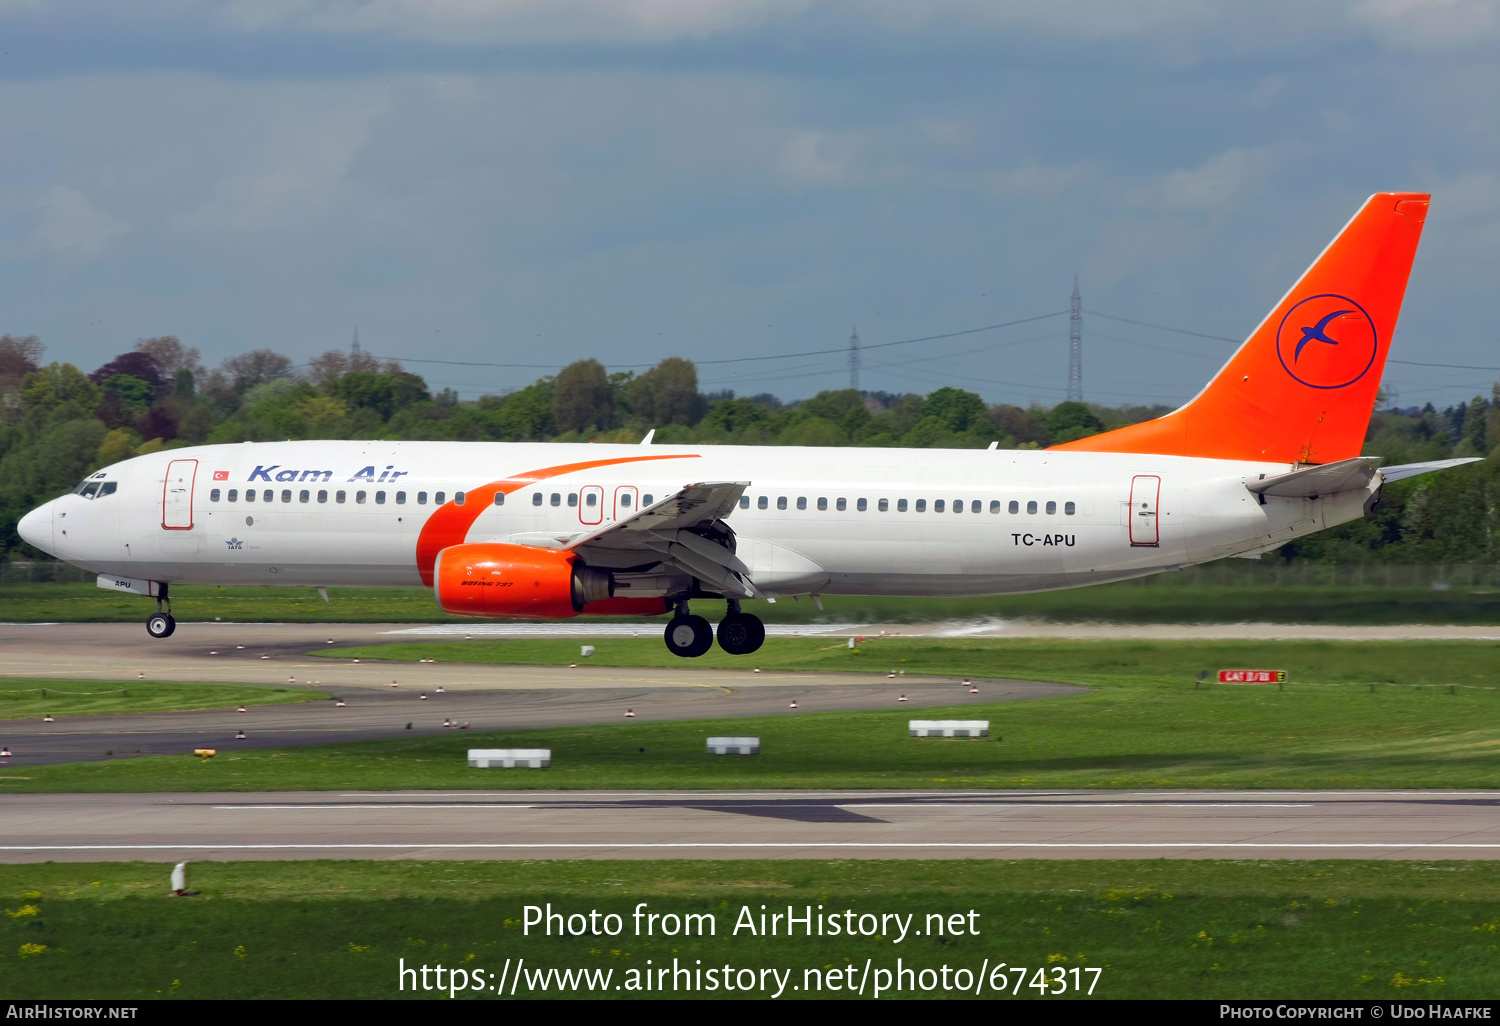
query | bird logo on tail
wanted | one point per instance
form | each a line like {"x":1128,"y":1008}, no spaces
{"x":1347,"y":336}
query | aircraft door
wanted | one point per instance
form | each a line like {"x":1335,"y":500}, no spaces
{"x":1145,"y":495}
{"x":590,"y":504}
{"x":177,"y":495}
{"x":627,"y":501}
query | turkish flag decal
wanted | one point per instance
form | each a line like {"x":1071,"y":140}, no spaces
{"x":221,"y":475}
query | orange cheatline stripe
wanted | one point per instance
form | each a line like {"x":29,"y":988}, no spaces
{"x":450,"y":523}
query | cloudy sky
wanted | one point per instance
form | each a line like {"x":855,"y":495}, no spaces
{"x":528,"y":182}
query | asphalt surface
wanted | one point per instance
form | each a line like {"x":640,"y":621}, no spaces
{"x":523,"y":825}
{"x":485,"y":697}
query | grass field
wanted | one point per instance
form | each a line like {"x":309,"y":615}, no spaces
{"x":1157,"y":929}
{"x":1379,"y":715}
{"x":1151,"y":600}
{"x":32,"y":699}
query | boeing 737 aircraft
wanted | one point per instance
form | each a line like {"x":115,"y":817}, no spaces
{"x":1267,"y":452}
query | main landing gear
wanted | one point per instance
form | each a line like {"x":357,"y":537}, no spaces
{"x":162,"y":624}
{"x":690,"y":636}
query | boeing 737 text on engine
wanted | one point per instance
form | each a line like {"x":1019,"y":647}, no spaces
{"x":1267,"y":452}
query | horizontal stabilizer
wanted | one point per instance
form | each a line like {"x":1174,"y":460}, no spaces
{"x":1328,"y":479}
{"x":1406,"y":470}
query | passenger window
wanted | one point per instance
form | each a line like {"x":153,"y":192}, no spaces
{"x":322,"y":495}
{"x":862,"y":505}
{"x":572,"y":499}
{"x":249,"y":494}
{"x":922,"y":506}
{"x":822,"y":502}
{"x":1015,"y":507}
{"x":975,"y":506}
{"x":1051,"y":508}
{"x":400,"y":498}
{"x":268,"y":496}
{"x":938,"y":506}
{"x":591,"y":499}
{"x":884,"y":505}
{"x":781,"y":502}
{"x":958,"y":505}
{"x":421,"y":498}
{"x":536,"y":498}
{"x":339,"y":496}
{"x":1069,"y":508}
{"x":108,"y":488}
{"x":625,"y":501}
{"x":359,"y":497}
{"x":213,"y":496}
{"x":646,"y":501}
{"x":380,"y":497}
{"x":764,"y":502}
{"x":994,"y":505}
{"x":304,"y":495}
{"x":900,"y":505}
{"x":438,"y":498}
{"x":1031,"y":506}
{"x":458,"y":498}
{"x":801,"y":502}
{"x":286,"y":495}
{"x":234,"y":494}
{"x":842,"y":504}
{"x":499,"y":498}
{"x":744,"y":501}
{"x":557,"y":498}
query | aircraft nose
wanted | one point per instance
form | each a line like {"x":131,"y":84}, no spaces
{"x":36,"y":528}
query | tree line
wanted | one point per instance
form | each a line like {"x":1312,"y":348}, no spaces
{"x":58,"y":423}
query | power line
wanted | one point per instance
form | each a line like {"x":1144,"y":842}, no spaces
{"x":752,"y":359}
{"x":1164,"y":327}
{"x":1449,"y":366}
{"x":854,"y":359}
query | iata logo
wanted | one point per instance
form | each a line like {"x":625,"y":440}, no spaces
{"x":1327,"y":341}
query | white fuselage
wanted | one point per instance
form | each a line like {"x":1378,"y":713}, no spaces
{"x":851,"y":520}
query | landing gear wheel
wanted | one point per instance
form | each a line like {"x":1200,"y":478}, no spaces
{"x":161,"y":625}
{"x":741,"y":633}
{"x":688,"y":636}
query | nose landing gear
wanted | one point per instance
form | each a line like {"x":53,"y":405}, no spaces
{"x":162,"y":624}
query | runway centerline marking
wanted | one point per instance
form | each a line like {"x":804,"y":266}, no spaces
{"x":597,"y":845}
{"x":320,"y":808}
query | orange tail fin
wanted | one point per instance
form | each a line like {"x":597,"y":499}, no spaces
{"x":1301,"y":389}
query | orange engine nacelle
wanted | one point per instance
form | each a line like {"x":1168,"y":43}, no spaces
{"x":493,"y":579}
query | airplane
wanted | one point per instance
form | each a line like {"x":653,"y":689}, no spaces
{"x":1267,"y":452}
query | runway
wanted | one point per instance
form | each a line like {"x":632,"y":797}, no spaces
{"x":372,"y":713}
{"x":770,"y":825}
{"x":485,"y":697}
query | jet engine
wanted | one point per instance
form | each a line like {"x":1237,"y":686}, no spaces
{"x":495,"y":579}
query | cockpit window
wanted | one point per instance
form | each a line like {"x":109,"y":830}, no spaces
{"x":91,"y":487}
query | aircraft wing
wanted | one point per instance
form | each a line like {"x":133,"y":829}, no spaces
{"x":666,"y":532}
{"x":1345,"y":475}
{"x":1406,"y":470}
